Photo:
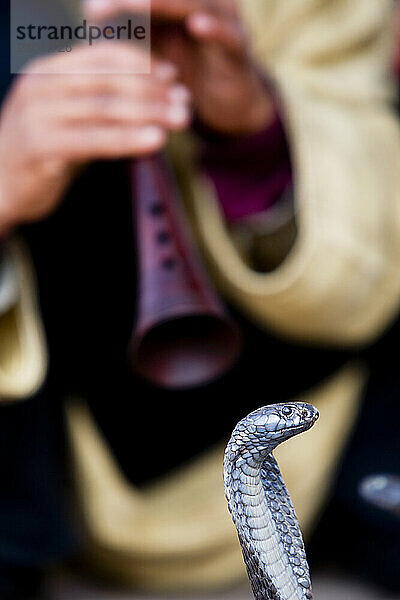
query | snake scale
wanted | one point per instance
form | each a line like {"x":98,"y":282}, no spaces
{"x":260,"y":505}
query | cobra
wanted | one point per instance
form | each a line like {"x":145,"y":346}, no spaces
{"x":260,"y":505}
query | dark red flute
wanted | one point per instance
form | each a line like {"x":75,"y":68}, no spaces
{"x":183,"y":336}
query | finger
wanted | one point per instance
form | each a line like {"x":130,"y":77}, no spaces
{"x":227,"y":7}
{"x":226,"y":33}
{"x":104,"y":57}
{"x":52,"y":84}
{"x":102,"y":111}
{"x":109,"y":143}
{"x":169,"y":9}
{"x":134,"y":88}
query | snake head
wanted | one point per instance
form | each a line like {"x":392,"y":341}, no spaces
{"x":271,"y":425}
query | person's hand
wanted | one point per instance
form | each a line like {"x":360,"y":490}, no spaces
{"x":206,"y":40}
{"x":51,"y":124}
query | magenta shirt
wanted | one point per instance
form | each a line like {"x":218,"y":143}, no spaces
{"x":250,"y":173}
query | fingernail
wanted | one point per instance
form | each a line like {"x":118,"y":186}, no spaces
{"x":151,"y":135}
{"x":96,"y":5}
{"x":165,"y":71}
{"x":179,"y":93}
{"x":178,"y":115}
{"x":202,"y":22}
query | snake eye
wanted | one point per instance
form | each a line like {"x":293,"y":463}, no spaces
{"x":287,"y":411}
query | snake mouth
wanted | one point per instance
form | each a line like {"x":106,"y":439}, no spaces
{"x":300,"y":428}
{"x":315,"y":417}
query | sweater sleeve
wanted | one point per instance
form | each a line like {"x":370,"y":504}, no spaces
{"x":340,"y":283}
